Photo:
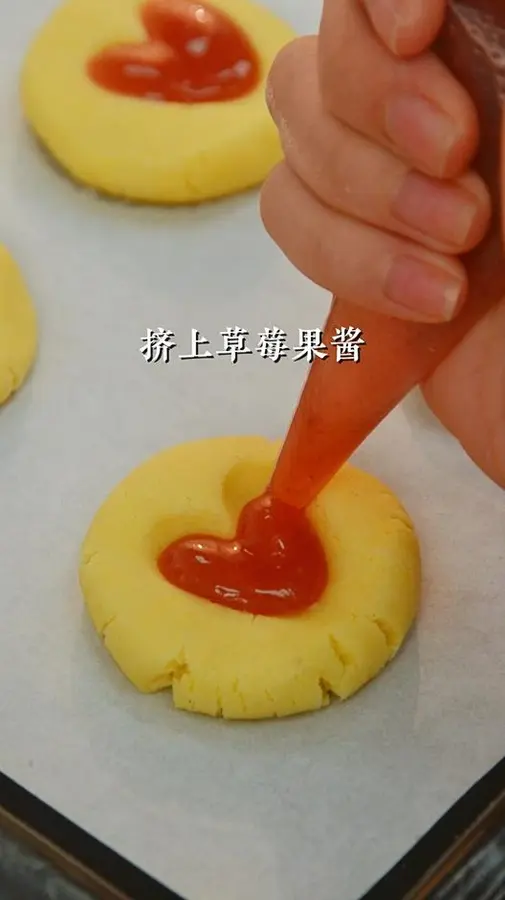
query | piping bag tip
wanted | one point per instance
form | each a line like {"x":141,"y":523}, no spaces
{"x":342,"y":403}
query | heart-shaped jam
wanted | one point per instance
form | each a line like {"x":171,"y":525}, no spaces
{"x":193,"y":54}
{"x":274,"y":566}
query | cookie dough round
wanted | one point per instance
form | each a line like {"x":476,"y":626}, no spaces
{"x":142,"y":149}
{"x":18,"y":327}
{"x":223,"y":662}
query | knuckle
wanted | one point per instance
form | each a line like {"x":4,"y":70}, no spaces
{"x":287,"y":66}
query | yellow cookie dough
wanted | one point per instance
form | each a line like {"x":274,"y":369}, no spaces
{"x":227,"y":663}
{"x":140,"y":149}
{"x":18,"y":327}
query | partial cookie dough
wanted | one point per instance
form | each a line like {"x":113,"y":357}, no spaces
{"x":18,"y":327}
{"x":136,"y":148}
{"x":223,"y":662}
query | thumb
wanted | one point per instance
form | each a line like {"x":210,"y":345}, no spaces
{"x":407,"y":27}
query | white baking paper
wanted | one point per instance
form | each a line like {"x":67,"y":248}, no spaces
{"x":317,"y":806}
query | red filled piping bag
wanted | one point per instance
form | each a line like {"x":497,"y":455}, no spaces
{"x":342,"y":403}
{"x":275,"y":565}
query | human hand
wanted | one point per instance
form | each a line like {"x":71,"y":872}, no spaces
{"x":375,"y":199}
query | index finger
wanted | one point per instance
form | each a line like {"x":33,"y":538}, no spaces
{"x":412,"y":107}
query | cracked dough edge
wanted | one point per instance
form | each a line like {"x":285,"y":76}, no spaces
{"x":226,"y":663}
{"x":18,"y":327}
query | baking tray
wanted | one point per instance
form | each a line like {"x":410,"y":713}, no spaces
{"x":320,"y":805}
{"x":44,"y":857}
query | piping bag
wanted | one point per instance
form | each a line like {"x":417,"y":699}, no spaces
{"x":342,"y":403}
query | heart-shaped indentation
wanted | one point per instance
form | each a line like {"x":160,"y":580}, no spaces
{"x":194,"y":54}
{"x":274,"y":566}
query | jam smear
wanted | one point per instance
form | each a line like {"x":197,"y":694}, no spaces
{"x":193,"y":53}
{"x":274,"y":566}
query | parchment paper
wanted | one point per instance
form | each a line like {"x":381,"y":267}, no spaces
{"x":317,"y":806}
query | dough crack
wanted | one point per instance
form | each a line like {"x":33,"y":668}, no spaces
{"x":178,"y":668}
{"x":107,"y":624}
{"x":88,"y":557}
{"x":326,"y":690}
{"x":404,"y":521}
{"x":235,"y":687}
{"x":8,"y":375}
{"x":344,"y":659}
{"x":387,"y":634}
{"x":14,"y":377}
{"x":172,"y":673}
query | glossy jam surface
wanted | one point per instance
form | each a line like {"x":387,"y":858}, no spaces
{"x":274,"y":566}
{"x":193,"y":53}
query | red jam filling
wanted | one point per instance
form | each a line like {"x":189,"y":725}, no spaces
{"x":274,"y":566}
{"x":193,"y":54}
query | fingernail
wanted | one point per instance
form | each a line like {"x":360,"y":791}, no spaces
{"x":443,"y":212}
{"x":421,"y":131}
{"x":389,"y":17}
{"x":424,"y":289}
